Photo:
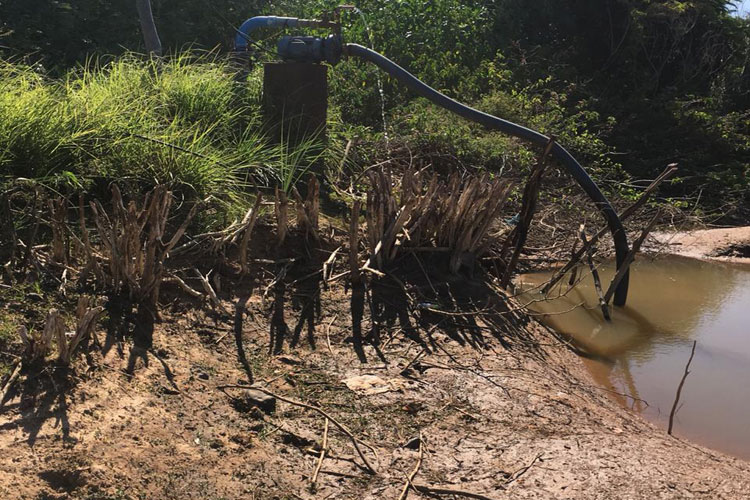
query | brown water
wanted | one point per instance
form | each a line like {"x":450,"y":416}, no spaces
{"x":645,"y":348}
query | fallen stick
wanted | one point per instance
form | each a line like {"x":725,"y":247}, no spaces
{"x":410,"y":478}
{"x":328,"y":266}
{"x":213,"y":298}
{"x":328,"y":333}
{"x":679,"y":389}
{"x":173,"y":278}
{"x":323,"y":451}
{"x":355,"y":441}
{"x":595,"y":274}
{"x":523,"y":470}
{"x":433,"y":490}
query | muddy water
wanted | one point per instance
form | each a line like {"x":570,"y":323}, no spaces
{"x":643,"y":351}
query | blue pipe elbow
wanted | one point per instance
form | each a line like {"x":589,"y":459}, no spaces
{"x":255,"y":23}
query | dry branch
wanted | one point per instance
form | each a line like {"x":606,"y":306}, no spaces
{"x":594,"y":273}
{"x":434,"y":490}
{"x":679,"y":389}
{"x":210,"y":292}
{"x":355,"y":441}
{"x":410,"y":478}
{"x":173,"y":278}
{"x":323,"y":451}
{"x":14,"y":375}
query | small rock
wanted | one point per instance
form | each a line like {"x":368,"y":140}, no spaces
{"x":260,"y":400}
{"x":203,"y":376}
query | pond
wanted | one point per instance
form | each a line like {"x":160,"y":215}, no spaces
{"x":642,"y":353}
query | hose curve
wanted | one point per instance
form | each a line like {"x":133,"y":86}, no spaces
{"x":510,"y":128}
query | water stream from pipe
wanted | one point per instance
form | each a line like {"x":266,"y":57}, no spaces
{"x":379,"y":79}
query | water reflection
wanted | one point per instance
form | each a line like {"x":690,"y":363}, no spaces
{"x":672,"y":302}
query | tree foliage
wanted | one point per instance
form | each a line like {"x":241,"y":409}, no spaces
{"x":654,"y":81}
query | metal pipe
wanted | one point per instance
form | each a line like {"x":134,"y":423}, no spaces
{"x":243,"y":37}
{"x":255,"y":23}
{"x":495,"y":123}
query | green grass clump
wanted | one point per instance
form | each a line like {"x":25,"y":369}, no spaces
{"x":183,"y":121}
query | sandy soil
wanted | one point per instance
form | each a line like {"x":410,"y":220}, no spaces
{"x":728,"y":244}
{"x":505,"y":409}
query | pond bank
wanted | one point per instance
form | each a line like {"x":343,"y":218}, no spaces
{"x":727,"y":244}
{"x":507,"y":412}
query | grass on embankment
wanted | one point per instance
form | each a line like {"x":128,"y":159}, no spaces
{"x":182,"y":121}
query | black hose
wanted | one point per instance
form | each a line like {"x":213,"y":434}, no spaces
{"x":495,"y":123}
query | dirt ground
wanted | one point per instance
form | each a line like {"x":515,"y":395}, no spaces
{"x":729,"y":244}
{"x":504,"y":407}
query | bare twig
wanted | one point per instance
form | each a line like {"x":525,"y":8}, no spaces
{"x":434,"y":490}
{"x":210,"y":291}
{"x":594,"y":273}
{"x":523,"y":470}
{"x":323,"y":451}
{"x":328,"y":333}
{"x":328,"y":266}
{"x":173,"y":278}
{"x":410,"y":479}
{"x":355,"y":441}
{"x":679,"y":389}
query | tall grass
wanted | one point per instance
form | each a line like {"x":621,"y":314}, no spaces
{"x":183,"y":121}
